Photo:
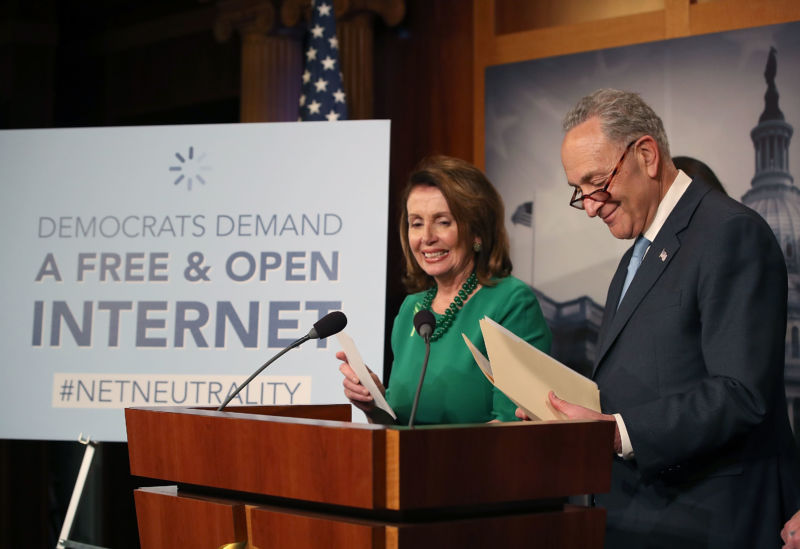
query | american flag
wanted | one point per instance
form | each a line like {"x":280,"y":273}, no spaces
{"x":322,"y":95}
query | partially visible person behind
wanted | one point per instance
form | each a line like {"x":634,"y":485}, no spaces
{"x":697,"y":169}
{"x":690,"y":357}
{"x":457,"y":265}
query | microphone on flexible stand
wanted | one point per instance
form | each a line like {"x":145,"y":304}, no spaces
{"x":331,"y":323}
{"x":424,"y":322}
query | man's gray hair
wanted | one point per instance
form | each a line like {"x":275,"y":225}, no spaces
{"x":624,"y":116}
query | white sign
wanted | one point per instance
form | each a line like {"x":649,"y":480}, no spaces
{"x":163,"y":265}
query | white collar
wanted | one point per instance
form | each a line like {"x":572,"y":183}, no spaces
{"x":667,"y":204}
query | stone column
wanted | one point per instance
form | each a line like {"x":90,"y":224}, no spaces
{"x":271,"y":60}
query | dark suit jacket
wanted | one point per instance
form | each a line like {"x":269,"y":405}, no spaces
{"x":693,"y":360}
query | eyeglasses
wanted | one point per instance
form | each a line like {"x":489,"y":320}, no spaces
{"x":600,"y":195}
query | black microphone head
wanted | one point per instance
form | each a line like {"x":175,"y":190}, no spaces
{"x":424,"y":323}
{"x":331,"y":323}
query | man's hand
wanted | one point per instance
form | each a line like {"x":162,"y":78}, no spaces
{"x":791,"y":532}
{"x":575,"y":411}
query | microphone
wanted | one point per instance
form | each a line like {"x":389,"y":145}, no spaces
{"x":424,"y":323}
{"x":331,"y":323}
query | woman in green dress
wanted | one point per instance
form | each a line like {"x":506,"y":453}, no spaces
{"x":457,"y":265}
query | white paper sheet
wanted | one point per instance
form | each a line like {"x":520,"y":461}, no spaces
{"x":361,"y":370}
{"x":526,"y":375}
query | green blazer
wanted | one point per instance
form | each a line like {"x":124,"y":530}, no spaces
{"x":455,"y":390}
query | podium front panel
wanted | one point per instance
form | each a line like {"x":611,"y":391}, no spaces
{"x":322,"y":461}
{"x":255,"y":456}
{"x":508,"y":462}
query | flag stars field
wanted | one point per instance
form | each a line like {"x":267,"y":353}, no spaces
{"x":322,"y":92}
{"x":324,"y":9}
{"x":328,"y":63}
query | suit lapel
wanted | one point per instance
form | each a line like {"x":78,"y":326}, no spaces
{"x":659,"y":256}
{"x":614,"y":290}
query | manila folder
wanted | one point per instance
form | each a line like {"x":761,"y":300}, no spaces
{"x":526,"y":375}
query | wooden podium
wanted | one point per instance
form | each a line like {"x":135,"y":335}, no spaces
{"x":305,"y":477}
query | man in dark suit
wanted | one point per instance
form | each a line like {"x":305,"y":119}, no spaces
{"x":690,"y":358}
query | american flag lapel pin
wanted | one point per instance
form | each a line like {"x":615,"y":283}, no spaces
{"x":663,"y":255}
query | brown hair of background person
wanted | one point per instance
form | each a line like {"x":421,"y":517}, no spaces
{"x":694,"y":168}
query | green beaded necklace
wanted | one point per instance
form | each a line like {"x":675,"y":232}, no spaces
{"x":450,"y":313}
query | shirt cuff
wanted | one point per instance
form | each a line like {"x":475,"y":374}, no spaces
{"x":627,"y":448}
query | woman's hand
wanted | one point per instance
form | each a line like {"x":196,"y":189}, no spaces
{"x":520,"y":413}
{"x":355,"y":392}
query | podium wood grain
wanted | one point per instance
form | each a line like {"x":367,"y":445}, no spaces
{"x":307,"y":477}
{"x":167,"y":520}
{"x":572,"y":528}
{"x":370,"y":466}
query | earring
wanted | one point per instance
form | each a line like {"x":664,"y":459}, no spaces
{"x":476,"y":246}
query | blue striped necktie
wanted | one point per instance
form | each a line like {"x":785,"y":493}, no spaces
{"x":636,"y":259}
